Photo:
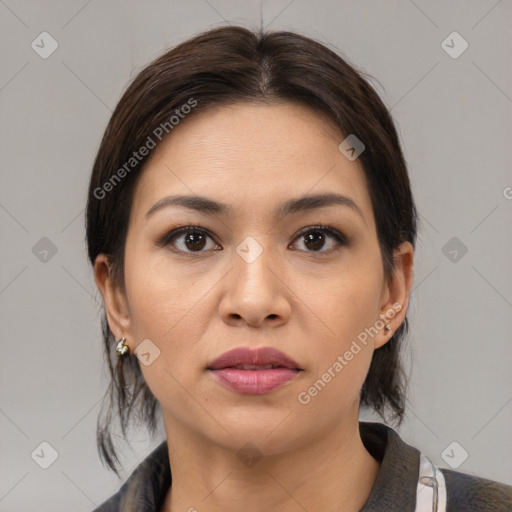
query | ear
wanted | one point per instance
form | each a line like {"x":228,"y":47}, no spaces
{"x":116,"y":304}
{"x":395,"y":293}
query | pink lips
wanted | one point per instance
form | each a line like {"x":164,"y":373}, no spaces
{"x":276,"y":369}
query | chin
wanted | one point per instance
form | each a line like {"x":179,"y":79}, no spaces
{"x":267,"y":428}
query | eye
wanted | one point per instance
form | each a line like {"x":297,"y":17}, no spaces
{"x":194,"y":239}
{"x":315,"y":237}
{"x":188,"y":239}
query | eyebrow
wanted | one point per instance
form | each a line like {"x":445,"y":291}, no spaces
{"x":301,"y":204}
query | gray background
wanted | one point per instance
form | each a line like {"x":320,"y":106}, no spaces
{"x":454,"y":119}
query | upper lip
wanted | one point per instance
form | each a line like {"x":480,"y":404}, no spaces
{"x":255,"y":356}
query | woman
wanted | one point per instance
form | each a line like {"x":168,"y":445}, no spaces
{"x":252,"y":230}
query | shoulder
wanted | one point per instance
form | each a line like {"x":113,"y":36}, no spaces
{"x":112,"y":504}
{"x":471,"y":493}
{"x":407,"y":477}
{"x":145,"y":488}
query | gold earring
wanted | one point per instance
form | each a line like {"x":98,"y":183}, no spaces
{"x":121,"y":347}
{"x":388,"y":328}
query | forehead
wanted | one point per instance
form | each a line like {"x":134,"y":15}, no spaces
{"x":251,"y":156}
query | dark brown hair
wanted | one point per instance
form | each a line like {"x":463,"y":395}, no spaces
{"x":224,"y":66}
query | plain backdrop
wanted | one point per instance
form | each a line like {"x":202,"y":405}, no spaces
{"x":453,"y":112}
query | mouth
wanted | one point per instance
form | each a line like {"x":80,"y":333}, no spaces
{"x":250,"y":358}
{"x":251,"y":371}
{"x":255,"y":379}
{"x":255,"y":367}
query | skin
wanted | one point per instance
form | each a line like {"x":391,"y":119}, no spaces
{"x":296,"y":296}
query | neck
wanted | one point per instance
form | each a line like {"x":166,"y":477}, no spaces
{"x":332,"y":472}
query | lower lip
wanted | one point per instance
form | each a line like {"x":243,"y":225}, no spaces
{"x":255,"y":382}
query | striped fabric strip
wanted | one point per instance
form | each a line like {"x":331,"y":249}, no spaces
{"x":431,"y":489}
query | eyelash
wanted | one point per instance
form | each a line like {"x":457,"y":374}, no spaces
{"x":341,"y":239}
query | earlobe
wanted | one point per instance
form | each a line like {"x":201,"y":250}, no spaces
{"x":396,"y":293}
{"x":116,"y":307}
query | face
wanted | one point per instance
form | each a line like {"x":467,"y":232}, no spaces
{"x":255,"y":275}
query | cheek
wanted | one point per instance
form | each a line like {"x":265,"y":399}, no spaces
{"x":350,"y":298}
{"x":173,"y":309}
{"x":163,"y":299}
{"x":348,"y":309}
{"x":166,"y":308}
{"x":342,"y":356}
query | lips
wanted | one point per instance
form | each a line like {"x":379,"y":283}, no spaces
{"x":254,"y":371}
{"x":249,"y":358}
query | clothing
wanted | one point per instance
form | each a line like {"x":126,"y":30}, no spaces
{"x":406,"y":481}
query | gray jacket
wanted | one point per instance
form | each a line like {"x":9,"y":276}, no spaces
{"x":407,"y":481}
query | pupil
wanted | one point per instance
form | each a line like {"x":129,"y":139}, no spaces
{"x":195,"y":240}
{"x":316,"y":238}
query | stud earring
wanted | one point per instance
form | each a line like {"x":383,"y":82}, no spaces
{"x":121,"y":347}
{"x":388,"y":328}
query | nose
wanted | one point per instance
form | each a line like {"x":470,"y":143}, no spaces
{"x":255,"y":289}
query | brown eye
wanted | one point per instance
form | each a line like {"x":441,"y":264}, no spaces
{"x":315,"y":238}
{"x":194,"y":241}
{"x":187,"y":239}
